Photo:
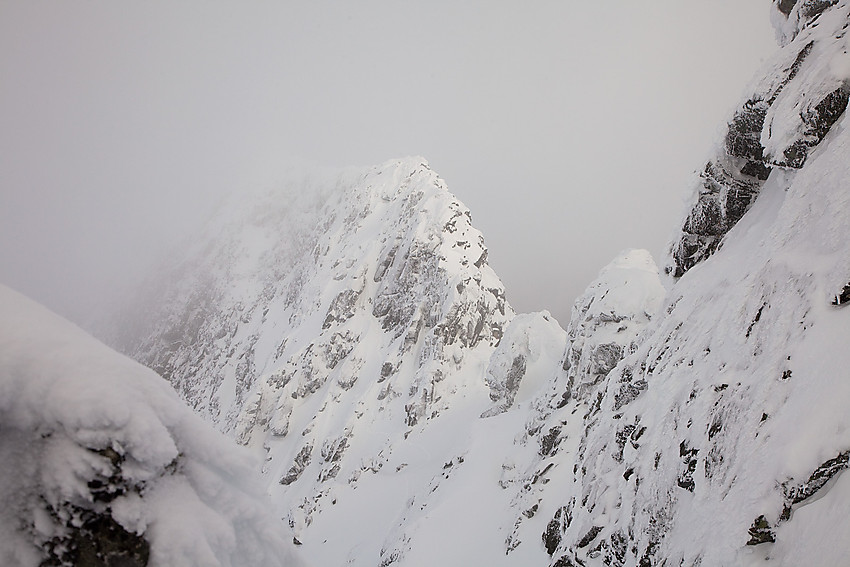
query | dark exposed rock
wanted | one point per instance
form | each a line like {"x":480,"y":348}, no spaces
{"x":549,"y":442}
{"x":813,"y":8}
{"x":761,"y":532}
{"x":302,"y":461}
{"x":555,"y":529}
{"x":622,"y":435}
{"x":628,"y":392}
{"x":689,"y":460}
{"x":743,"y":139}
{"x":756,"y":169}
{"x":96,"y":540}
{"x":618,"y":548}
{"x":531,"y":511}
{"x":91,"y":536}
{"x":843,"y":297}
{"x":589,"y":536}
{"x":817,"y":480}
{"x":785,"y":6}
{"x":727,"y":191}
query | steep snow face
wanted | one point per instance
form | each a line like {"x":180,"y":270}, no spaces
{"x":724,"y":439}
{"x":102,"y":463}
{"x":801,"y":93}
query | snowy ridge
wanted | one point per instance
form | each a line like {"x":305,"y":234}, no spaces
{"x":102,"y":463}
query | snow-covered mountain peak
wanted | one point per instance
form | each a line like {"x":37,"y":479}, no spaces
{"x":385,"y":251}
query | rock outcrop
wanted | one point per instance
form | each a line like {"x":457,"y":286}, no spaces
{"x":794,"y":104}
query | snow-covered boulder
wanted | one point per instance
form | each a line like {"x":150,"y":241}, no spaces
{"x":101,"y":463}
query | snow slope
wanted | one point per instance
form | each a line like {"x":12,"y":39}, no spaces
{"x":101,"y":463}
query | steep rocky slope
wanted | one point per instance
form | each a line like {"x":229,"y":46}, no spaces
{"x":721,"y":441}
{"x":354,"y":332}
{"x":102,"y":464}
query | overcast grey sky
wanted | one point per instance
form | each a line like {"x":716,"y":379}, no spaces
{"x":571,"y":129}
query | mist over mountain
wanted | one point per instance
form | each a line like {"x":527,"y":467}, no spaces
{"x":347,"y":328}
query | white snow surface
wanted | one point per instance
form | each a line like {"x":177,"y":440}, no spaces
{"x":65,"y":398}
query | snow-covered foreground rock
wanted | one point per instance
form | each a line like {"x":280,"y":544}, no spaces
{"x":350,"y":328}
{"x":102,"y":464}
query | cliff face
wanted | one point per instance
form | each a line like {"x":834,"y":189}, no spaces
{"x":720,"y":440}
{"x":801,"y":93}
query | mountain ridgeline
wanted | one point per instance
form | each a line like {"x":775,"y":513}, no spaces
{"x":349,"y":329}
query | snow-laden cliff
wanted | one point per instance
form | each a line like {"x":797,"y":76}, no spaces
{"x":801,"y":92}
{"x":723,"y":438}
